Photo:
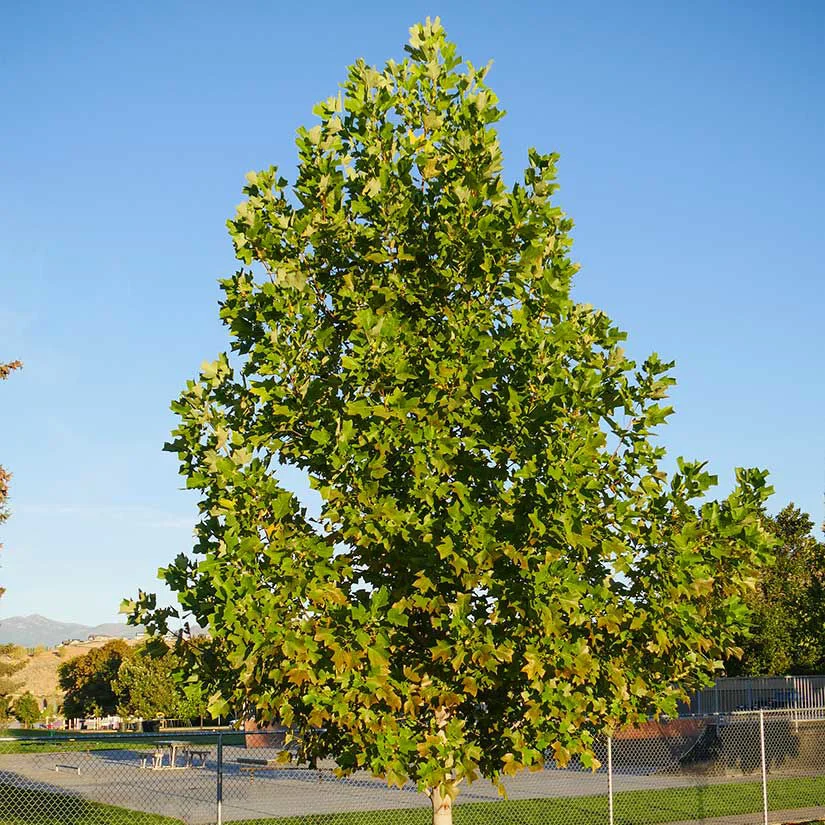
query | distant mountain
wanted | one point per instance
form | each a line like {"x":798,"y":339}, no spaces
{"x":34,"y":630}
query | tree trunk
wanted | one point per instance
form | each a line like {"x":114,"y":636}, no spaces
{"x":442,"y":808}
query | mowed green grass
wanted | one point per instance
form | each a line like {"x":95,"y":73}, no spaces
{"x":629,"y":807}
{"x":21,"y":806}
{"x":42,"y":741}
{"x":49,"y":744}
{"x":34,"y":807}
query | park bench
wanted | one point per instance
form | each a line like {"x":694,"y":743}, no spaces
{"x":250,"y":766}
{"x":75,"y":768}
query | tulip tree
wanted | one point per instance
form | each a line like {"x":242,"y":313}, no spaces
{"x":500,"y":570}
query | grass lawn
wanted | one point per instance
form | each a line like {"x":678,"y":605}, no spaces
{"x":19,"y":806}
{"x":71,"y":746}
{"x":45,"y":741}
{"x":629,"y":807}
{"x":33,"y":807}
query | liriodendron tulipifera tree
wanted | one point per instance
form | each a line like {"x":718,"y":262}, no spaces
{"x":500,"y":571}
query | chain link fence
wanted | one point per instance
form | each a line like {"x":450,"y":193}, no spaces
{"x":739,"y":768}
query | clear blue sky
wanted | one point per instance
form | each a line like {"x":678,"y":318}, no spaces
{"x":691,"y":139}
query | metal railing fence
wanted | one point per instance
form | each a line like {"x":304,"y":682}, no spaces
{"x":757,"y":766}
{"x":801,"y":693}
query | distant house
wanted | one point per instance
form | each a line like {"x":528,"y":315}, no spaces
{"x":99,"y":637}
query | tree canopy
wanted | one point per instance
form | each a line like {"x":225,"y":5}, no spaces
{"x":88,"y":680}
{"x":26,"y":709}
{"x":10,"y":664}
{"x":144,"y":686}
{"x":788,"y":604}
{"x":147,"y":686}
{"x":139,"y":682}
{"x":500,"y":568}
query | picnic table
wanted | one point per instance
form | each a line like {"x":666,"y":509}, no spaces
{"x":190,"y":750}
{"x":171,"y":745}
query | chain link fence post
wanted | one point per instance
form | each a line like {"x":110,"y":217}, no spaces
{"x":610,"y":780}
{"x":219,"y":782}
{"x":764,"y":766}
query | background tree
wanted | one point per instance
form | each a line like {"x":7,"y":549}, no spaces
{"x":5,"y":476}
{"x":500,"y":568}
{"x":26,"y":710}
{"x":146,"y":686}
{"x":788,"y":604}
{"x":88,"y":680}
{"x":193,"y":697}
{"x":200,"y":672}
{"x":11,"y":663}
